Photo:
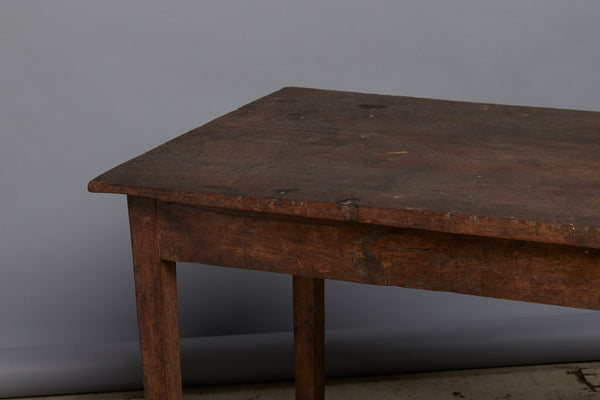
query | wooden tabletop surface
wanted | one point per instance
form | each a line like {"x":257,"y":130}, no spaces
{"x":470,"y":168}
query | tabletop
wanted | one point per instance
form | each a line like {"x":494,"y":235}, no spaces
{"x":490,"y":170}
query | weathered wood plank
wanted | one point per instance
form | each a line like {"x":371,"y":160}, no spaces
{"x":156,"y":294}
{"x":500,"y":268}
{"x":482,"y":169}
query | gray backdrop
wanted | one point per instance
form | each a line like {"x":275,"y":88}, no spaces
{"x":85,"y":85}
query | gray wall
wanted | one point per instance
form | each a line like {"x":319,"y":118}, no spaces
{"x":85,"y":85}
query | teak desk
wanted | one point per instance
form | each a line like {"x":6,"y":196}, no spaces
{"x":489,"y":200}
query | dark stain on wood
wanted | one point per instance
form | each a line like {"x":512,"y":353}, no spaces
{"x":369,"y":266}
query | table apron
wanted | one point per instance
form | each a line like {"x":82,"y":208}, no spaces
{"x":373,"y":254}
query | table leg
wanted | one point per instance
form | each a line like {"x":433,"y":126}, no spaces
{"x":309,"y":333}
{"x":156,"y":295}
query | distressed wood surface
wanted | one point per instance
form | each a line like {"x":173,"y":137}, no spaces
{"x":156,"y":295}
{"x":482,"y":169}
{"x":349,"y":251}
{"x":309,"y":337}
{"x":482,"y":199}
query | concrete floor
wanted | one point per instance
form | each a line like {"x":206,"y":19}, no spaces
{"x":547,"y":382}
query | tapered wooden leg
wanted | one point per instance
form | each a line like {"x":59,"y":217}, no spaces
{"x":309,"y":334}
{"x":156,"y":295}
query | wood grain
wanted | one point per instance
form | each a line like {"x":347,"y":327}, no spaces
{"x":309,"y":338}
{"x":156,"y":294}
{"x":349,"y":251}
{"x":482,"y":169}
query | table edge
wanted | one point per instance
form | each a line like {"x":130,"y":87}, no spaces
{"x":477,"y":225}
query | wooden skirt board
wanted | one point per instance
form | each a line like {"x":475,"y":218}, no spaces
{"x":488,"y":200}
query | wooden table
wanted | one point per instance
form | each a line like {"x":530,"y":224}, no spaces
{"x":489,"y":200}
